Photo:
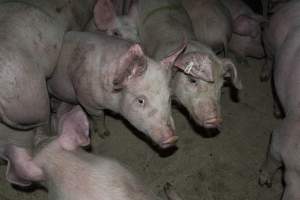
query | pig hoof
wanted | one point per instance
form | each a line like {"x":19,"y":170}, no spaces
{"x":278,"y":114}
{"x":265,"y":178}
{"x":264,"y":76}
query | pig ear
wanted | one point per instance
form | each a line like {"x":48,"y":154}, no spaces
{"x":21,"y":169}
{"x":132,"y":64}
{"x":245,"y":26}
{"x":133,"y":11}
{"x":73,"y":129}
{"x":104,"y":14}
{"x":202,"y":70}
{"x":171,"y":58}
{"x":229,"y":70}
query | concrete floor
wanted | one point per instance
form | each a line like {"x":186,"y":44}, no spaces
{"x":223,"y":167}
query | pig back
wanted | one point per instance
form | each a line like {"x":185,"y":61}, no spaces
{"x":283,"y":22}
{"x":71,"y":14}
{"x":211,"y":22}
{"x":163,"y":26}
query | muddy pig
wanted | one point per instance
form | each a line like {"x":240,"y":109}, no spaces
{"x":282,"y":41}
{"x":67,"y":171}
{"x":31,"y":34}
{"x":103,"y":72}
{"x":246,"y":38}
{"x":211,"y":22}
{"x":162,"y":27}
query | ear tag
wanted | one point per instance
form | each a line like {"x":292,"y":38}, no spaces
{"x":189,"y":67}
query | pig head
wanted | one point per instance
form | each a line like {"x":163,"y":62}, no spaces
{"x":104,"y":72}
{"x":247,"y":36}
{"x":106,"y":19}
{"x":201,"y":95}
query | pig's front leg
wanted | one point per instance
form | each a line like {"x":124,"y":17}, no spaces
{"x":99,"y":126}
{"x":273,"y":161}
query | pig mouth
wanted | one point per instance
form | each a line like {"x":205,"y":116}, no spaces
{"x":212,"y":123}
{"x":171,"y":141}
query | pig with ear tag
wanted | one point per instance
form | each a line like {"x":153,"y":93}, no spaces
{"x":197,"y":84}
{"x":103,"y":72}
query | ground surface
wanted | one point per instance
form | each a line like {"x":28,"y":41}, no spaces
{"x":224,"y":167}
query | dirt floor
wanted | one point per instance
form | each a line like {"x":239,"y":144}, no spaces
{"x":221,"y":167}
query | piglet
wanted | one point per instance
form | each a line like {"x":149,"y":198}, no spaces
{"x":103,"y":72}
{"x":246,"y":37}
{"x":282,"y":39}
{"x":70,"y":173}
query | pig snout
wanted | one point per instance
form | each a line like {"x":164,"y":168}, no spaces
{"x":208,"y":115}
{"x":214,"y":122}
{"x":165,"y":138}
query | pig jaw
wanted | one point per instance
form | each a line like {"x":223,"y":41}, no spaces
{"x":207,"y":114}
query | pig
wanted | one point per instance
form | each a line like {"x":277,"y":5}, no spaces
{"x":161,"y":29}
{"x":211,"y":22}
{"x":67,"y":171}
{"x":101,"y":72}
{"x":31,"y":34}
{"x":106,"y":19}
{"x":281,"y":38}
{"x":246,"y":36}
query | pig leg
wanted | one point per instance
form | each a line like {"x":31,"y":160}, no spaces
{"x":290,"y":155}
{"x":292,"y":180}
{"x":266,"y":70}
{"x":277,"y":109}
{"x":170,"y":192}
{"x":273,"y":161}
{"x":99,"y":126}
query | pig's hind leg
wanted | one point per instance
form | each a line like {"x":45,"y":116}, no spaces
{"x":273,"y":161}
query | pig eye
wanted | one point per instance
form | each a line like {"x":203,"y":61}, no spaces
{"x":141,"y":101}
{"x":117,"y":33}
{"x":192,"y":80}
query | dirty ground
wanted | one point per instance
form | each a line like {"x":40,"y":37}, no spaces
{"x":205,"y":166}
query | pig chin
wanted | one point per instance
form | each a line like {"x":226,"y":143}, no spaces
{"x":164,"y":138}
{"x":207,"y":122}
